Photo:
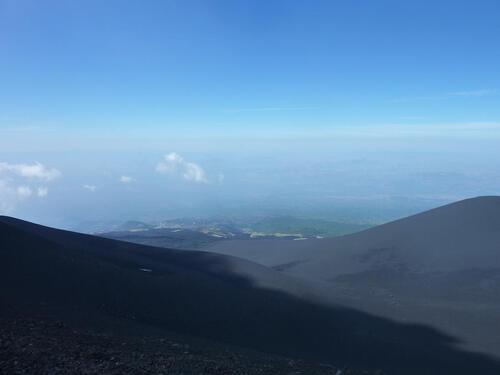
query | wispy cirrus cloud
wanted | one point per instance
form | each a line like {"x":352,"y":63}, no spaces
{"x":467,"y":130}
{"x":411,"y":118}
{"x":412,"y":99}
{"x":481,"y":92}
{"x":447,"y":96}
{"x":266,"y":109}
{"x":173,"y":163}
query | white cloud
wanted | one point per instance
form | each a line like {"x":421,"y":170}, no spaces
{"x":91,"y":188}
{"x":42,"y":192}
{"x":16,"y":183}
{"x":24,"y":191}
{"x":32,"y":171}
{"x":8,"y":196}
{"x":173,"y":163}
{"x":126,"y":179}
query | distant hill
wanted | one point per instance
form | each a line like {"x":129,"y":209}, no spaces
{"x":133,"y":225}
{"x":182,"y":238}
{"x":167,"y":237}
{"x":110,"y":286}
{"x":440,"y":267}
{"x":305,"y":227}
{"x":461,"y":235}
{"x":190,"y":234}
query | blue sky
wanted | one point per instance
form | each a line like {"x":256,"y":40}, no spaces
{"x":217,"y":66}
{"x":207,"y":79}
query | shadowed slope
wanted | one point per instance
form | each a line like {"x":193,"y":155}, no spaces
{"x":68,"y":275}
{"x":440,"y":267}
{"x":461,"y":235}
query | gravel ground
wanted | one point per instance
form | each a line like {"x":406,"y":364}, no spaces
{"x":37,"y":346}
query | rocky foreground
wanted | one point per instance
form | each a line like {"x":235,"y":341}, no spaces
{"x":38,"y":346}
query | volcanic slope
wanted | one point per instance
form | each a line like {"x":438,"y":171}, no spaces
{"x":110,"y":285}
{"x":440,"y":267}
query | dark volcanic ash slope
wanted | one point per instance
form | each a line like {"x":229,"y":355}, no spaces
{"x":440,"y":267}
{"x":461,"y":235}
{"x":106,"y":284}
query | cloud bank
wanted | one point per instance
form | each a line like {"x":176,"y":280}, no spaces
{"x":175,"y":164}
{"x":18,"y":183}
{"x":31,"y":171}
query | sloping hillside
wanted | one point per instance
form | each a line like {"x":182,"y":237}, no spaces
{"x":111,"y":285}
{"x":440,"y":267}
{"x":461,"y":235}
